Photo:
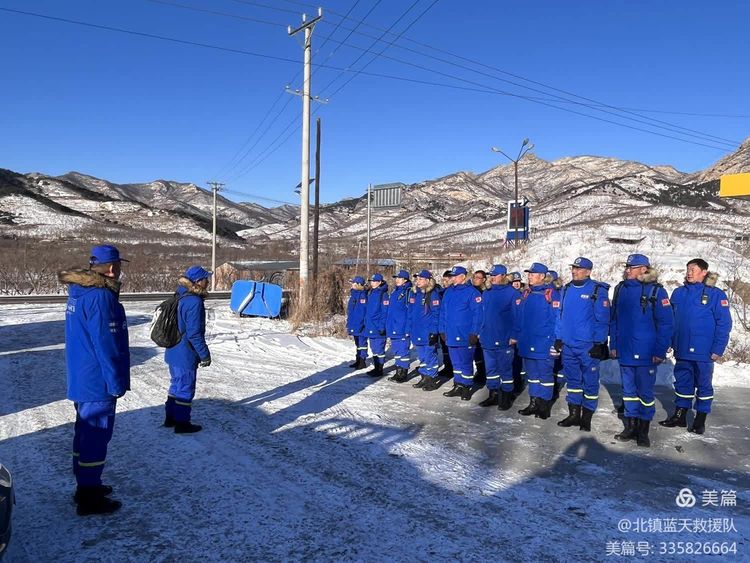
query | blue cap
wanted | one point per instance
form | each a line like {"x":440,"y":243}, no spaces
{"x":376,"y":277}
{"x":105,"y":254}
{"x":458,"y":271}
{"x":515,"y":276}
{"x":582,"y":262}
{"x":358,"y":279}
{"x":537,"y":268}
{"x":498,"y":270}
{"x":425,"y":274}
{"x":196,"y":273}
{"x":402,"y":274}
{"x":553,"y":274}
{"x":637,"y":260}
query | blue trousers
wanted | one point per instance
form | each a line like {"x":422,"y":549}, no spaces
{"x":694,"y":380}
{"x":429,"y":361}
{"x":557,"y":369}
{"x":462,"y":359}
{"x":499,"y":362}
{"x":377,"y":347}
{"x":540,"y":377}
{"x":446,"y":357}
{"x":95,"y":422}
{"x":181,"y":392}
{"x":361,"y":343}
{"x":638,"y":391}
{"x":582,"y":375}
{"x":400,"y":349}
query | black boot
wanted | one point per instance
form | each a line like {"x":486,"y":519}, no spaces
{"x":543,"y":408}
{"x":505,"y":401}
{"x":679,"y":418}
{"x":400,"y":376}
{"x":455,"y":392}
{"x":466,"y":393}
{"x":631,"y":430}
{"x":92,"y":501}
{"x":169,"y":421}
{"x":432,"y":384}
{"x":103,"y":490}
{"x":359,"y":364}
{"x":699,"y":424}
{"x":492,"y":400}
{"x":377,"y":368}
{"x":423,"y":379}
{"x":573,"y":418}
{"x":619,"y":409}
{"x":531,"y":409}
{"x":642,"y":438}
{"x":187,"y":428}
{"x":586,"y":415}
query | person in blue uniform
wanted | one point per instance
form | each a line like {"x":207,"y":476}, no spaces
{"x":639,"y":336}
{"x":375,"y":315}
{"x":498,"y":302}
{"x":424,"y":318}
{"x":535,"y":318}
{"x":97,"y":356}
{"x":355,"y":320}
{"x":460,"y":321}
{"x":191,"y":352}
{"x":581,"y":340}
{"x":396,"y":325}
{"x":702,"y":323}
{"x":445,"y":283}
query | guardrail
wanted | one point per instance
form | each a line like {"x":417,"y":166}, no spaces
{"x":63,"y":298}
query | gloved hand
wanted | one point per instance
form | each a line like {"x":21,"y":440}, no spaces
{"x":442,"y":336}
{"x":599,"y":351}
{"x":382,"y":333}
{"x":613,"y":354}
{"x":657,"y":360}
{"x":433,"y":339}
{"x":473,"y":340}
{"x":205,"y":363}
{"x":553,"y":352}
{"x":558,"y":345}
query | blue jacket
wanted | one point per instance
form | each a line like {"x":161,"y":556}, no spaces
{"x":424,"y":314}
{"x":97,"y":352}
{"x":355,"y":312}
{"x":535,"y":320}
{"x":396,"y":311}
{"x":642,"y":322}
{"x":191,"y":321}
{"x":702,"y":320}
{"x":583,"y":319}
{"x":460,"y":314}
{"x":498,"y":304}
{"x":376,"y":311}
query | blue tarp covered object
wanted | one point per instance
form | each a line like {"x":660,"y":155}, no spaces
{"x":258,"y":299}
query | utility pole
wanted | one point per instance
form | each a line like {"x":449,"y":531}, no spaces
{"x":304,"y":231}
{"x":215,"y":187}
{"x":316,"y":217}
{"x":369,"y":223}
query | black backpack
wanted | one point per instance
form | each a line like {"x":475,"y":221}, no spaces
{"x":164,"y":328}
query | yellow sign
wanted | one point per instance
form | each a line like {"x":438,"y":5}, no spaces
{"x":735,"y":185}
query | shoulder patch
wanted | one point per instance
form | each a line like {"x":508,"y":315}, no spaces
{"x":386,"y":302}
{"x":665,"y":302}
{"x":518,"y":301}
{"x":556,"y":304}
{"x":724,"y":303}
{"x":605,"y":303}
{"x":478,"y":299}
{"x":412,"y":300}
{"x":363,"y":300}
{"x":436,"y":302}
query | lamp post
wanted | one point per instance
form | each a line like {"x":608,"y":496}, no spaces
{"x":525,"y":148}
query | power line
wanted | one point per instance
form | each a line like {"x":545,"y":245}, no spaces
{"x":215,"y":13}
{"x":257,"y":196}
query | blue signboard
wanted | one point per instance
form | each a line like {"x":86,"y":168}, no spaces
{"x":518,"y":221}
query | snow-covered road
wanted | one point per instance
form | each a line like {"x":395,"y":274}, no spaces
{"x":302,"y":459}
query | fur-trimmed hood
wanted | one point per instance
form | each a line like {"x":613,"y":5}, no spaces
{"x":488,"y":283}
{"x":88,"y":278}
{"x":430,"y":286}
{"x":651,"y":275}
{"x":711,"y":279}
{"x":192,"y":287}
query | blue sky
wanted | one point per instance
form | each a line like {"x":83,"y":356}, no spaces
{"x":131,"y":108}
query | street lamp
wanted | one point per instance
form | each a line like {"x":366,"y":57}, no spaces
{"x":525,"y":148}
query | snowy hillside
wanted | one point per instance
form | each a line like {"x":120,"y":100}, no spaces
{"x":302,"y":459}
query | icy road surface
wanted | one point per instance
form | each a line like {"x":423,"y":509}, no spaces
{"x":302,"y":459}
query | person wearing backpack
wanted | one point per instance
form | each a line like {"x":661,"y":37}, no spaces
{"x":355,"y":320}
{"x":375,"y":322}
{"x":702,"y":326}
{"x":535,"y":316}
{"x":190,"y":353}
{"x":640,"y":331}
{"x":97,"y":355}
{"x":581,"y":341}
{"x":395,"y":324}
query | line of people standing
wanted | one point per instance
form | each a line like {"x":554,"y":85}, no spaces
{"x":546,"y":334}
